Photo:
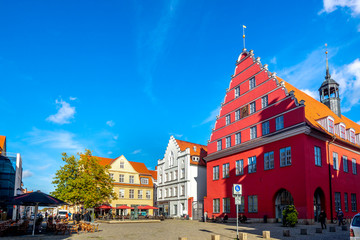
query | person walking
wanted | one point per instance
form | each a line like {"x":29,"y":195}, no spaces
{"x":322,"y":219}
{"x":340,"y":217}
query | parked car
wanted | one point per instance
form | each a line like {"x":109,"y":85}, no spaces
{"x":355,"y":227}
{"x":62,"y":213}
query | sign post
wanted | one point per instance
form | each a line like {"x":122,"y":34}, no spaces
{"x":237,"y":192}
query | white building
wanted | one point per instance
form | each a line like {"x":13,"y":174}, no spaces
{"x":182,"y":179}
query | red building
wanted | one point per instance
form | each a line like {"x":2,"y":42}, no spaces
{"x":283,"y":146}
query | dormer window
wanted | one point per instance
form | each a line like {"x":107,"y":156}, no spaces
{"x":342,"y":131}
{"x":352,"y":135}
{"x":195,"y":159}
{"x":331,"y":125}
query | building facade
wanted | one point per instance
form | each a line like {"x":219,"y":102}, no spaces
{"x":133,"y":183}
{"x":182,"y":179}
{"x":283,"y":146}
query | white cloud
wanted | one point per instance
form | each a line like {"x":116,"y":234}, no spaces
{"x":109,"y":152}
{"x":63,"y":140}
{"x":136,"y":151}
{"x":73,"y":98}
{"x":212,"y":116}
{"x":64,"y":114}
{"x":116,"y":137}
{"x":273,"y":60}
{"x":313,"y":94}
{"x":332,"y":5}
{"x":27,"y":174}
{"x":110,"y":123}
{"x":43,"y":167}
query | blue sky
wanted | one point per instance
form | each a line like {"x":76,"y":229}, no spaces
{"x":120,"y":77}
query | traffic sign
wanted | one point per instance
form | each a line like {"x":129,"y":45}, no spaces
{"x":238,"y":200}
{"x":237,"y":189}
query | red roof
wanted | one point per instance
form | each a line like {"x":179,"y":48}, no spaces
{"x":153,"y":174}
{"x":105,"y":161}
{"x":195,"y":150}
{"x":140,"y":168}
{"x":2,"y":142}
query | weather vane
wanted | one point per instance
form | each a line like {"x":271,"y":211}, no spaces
{"x":244,"y":35}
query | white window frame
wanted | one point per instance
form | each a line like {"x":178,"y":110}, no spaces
{"x":253,"y":132}
{"x":140,"y":194}
{"x":342,"y":130}
{"x":228,"y":142}
{"x":121,"y":193}
{"x":352,"y":136}
{"x":121,"y":178}
{"x":285,"y":157}
{"x":144,"y":180}
{"x":345,"y":163}
{"x":252,"y":83}
{"x":237,"y":138}
{"x":131,"y":179}
{"x":237,"y":92}
{"x":269,"y":160}
{"x":331,"y":125}
{"x":227,"y":119}
{"x":226,"y":205}
{"x":122,"y":164}
{"x":239,"y":167}
{"x":252,"y":204}
{"x":335,"y":161}
{"x":183,"y":173}
{"x":353,"y":163}
{"x":216,"y":172}
{"x":237,"y":115}
{"x":317,"y":152}
{"x":252,"y":164}
{"x":264,"y":101}
{"x":216,"y":205}
{"x":252,"y":107}
{"x":219,"y":144}
{"x":131,"y":193}
{"x":148,"y":194}
{"x":226,"y":170}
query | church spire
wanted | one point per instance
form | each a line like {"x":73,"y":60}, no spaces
{"x":328,"y":76}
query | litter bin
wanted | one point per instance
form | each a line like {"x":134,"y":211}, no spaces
{"x":265,"y":218}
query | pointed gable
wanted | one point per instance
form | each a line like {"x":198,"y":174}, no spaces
{"x":2,"y":143}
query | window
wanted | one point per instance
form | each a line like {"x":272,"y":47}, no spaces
{"x":148,"y":194}
{"x":335,"y":161}
{"x":216,"y":173}
{"x":265,"y":128}
{"x":170,"y":176}
{"x":264,"y":101}
{"x":122,"y":164}
{"x":252,"y":107}
{"x":144,"y":181}
{"x":337,"y":201}
{"x":170,"y":192}
{"x":226,"y":170}
{"x":216,"y":205}
{"x":237,"y":115}
{"x":237,"y":91}
{"x":183,"y":173}
{"x":228,"y":142}
{"x":342,"y":131}
{"x":140,"y":194}
{"x":175,"y":174}
{"x":239,"y":167}
{"x":131,"y":179}
{"x":253,"y":204}
{"x":331,"y":126}
{"x":131,"y":193}
{"x":285,"y":157}
{"x":219,"y":143}
{"x":166,"y":177}
{"x":346,"y":202}
{"x":226,"y":205}
{"x":352,"y":136}
{"x":241,"y":208}
{"x":160,"y":193}
{"x":269,"y":160}
{"x":345,"y":164}
{"x":237,"y":138}
{"x":317,"y":151}
{"x":121,"y":178}
{"x":166,"y":192}
{"x":353,"y":202}
{"x":279,"y":123}
{"x":354,"y":166}
{"x":175,"y":191}
{"x":252,"y":164}
{"x":121,"y":193}
{"x":253,"y":133}
{"x":252,"y":83}
{"x":182,"y":190}
{"x":160,"y":178}
{"x":111,"y":175}
{"x":228,"y":119}
{"x":171,"y":159}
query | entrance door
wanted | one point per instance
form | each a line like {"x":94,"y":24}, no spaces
{"x":283,"y":199}
{"x":197,"y":208}
{"x":319,"y":203}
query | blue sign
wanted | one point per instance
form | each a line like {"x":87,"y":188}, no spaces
{"x":237,"y":189}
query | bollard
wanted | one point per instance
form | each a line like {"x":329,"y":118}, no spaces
{"x":318,"y":230}
{"x":286,"y":233}
{"x":303,"y":231}
{"x":332,"y":229}
{"x":344,"y":228}
{"x":215,"y":237}
{"x":266,"y":234}
{"x":243,"y":236}
{"x":182,"y":238}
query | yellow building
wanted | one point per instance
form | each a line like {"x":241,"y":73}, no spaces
{"x":133,"y":183}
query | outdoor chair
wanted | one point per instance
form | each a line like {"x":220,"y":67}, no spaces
{"x":74,"y":229}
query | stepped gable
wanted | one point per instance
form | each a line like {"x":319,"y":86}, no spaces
{"x":195,"y":150}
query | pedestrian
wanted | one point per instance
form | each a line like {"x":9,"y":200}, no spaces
{"x":340,"y":217}
{"x":322,"y":219}
{"x":77,"y":217}
{"x":205,"y":216}
{"x":225,"y":219}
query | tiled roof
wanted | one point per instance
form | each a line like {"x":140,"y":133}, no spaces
{"x":2,"y":141}
{"x":105,"y":161}
{"x":140,"y":168}
{"x":315,"y":110}
{"x":201,"y":150}
{"x":153,"y":174}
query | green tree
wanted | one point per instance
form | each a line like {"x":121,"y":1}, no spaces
{"x":83,"y":181}
{"x":290,"y":216}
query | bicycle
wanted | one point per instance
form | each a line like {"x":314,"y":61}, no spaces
{"x":344,"y":221}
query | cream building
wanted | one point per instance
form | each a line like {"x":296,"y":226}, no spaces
{"x":133,"y":183}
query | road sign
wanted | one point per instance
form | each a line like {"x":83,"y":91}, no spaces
{"x":238,"y":200}
{"x":237,"y":189}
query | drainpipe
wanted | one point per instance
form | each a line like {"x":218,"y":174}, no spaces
{"x":330,"y":186}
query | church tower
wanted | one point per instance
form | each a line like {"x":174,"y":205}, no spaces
{"x":329,"y":92}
